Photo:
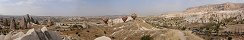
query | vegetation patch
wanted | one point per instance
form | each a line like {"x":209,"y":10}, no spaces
{"x":146,"y":37}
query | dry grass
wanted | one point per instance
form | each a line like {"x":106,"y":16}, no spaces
{"x":190,"y":36}
{"x":180,"y":35}
{"x":174,"y":35}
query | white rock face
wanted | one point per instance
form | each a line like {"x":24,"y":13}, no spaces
{"x":41,"y":35}
{"x":203,"y":17}
{"x":30,"y":35}
{"x":2,"y":37}
{"x":119,"y":20}
{"x":84,"y":25}
{"x":30,"y":31}
{"x":51,"y":35}
{"x":19,"y":34}
{"x":103,"y":38}
{"x":8,"y":36}
{"x":44,"y":29}
{"x":33,"y":34}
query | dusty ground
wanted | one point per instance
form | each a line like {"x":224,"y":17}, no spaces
{"x":130,"y":30}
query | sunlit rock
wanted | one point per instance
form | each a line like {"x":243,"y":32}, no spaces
{"x":8,"y":36}
{"x":103,"y":38}
{"x":30,"y":35}
{"x":51,"y":35}
{"x":17,"y":35}
{"x":2,"y":37}
{"x":43,"y":29}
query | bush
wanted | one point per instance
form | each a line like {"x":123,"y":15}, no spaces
{"x":146,"y":37}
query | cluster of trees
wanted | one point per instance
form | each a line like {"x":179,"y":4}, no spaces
{"x":175,"y":22}
{"x":5,"y":22}
{"x":146,"y":37}
{"x":213,"y":26}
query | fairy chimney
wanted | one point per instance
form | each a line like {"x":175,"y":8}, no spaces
{"x":134,"y":15}
{"x":124,"y":18}
{"x":28,"y":18}
{"x":105,"y":20}
{"x":12,"y":24}
{"x":50,"y":22}
{"x":23,"y":23}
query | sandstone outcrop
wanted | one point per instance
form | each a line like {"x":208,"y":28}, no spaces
{"x":32,"y":34}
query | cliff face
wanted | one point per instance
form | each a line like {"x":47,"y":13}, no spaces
{"x":216,"y":7}
{"x":218,"y":12}
{"x":205,"y":13}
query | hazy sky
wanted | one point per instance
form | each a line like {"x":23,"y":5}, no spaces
{"x":99,"y":7}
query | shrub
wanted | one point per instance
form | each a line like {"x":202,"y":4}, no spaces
{"x":146,"y":37}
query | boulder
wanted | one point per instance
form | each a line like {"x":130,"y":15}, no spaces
{"x":105,"y":20}
{"x":2,"y":37}
{"x":12,"y":24}
{"x":44,"y":29}
{"x":103,"y":38}
{"x":41,"y":35}
{"x":51,"y":35}
{"x":8,"y":36}
{"x":124,"y":18}
{"x":30,"y":35}
{"x":84,"y":25}
{"x":118,"y":20}
{"x":134,"y":16}
{"x":66,"y":38}
{"x":17,"y":35}
{"x":23,"y":23}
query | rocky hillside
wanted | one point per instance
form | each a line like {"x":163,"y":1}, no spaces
{"x":216,"y":7}
{"x":196,"y":23}
{"x":32,"y":34}
{"x":216,"y":12}
{"x":129,"y":30}
{"x":207,"y":19}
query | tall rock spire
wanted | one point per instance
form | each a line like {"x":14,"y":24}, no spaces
{"x":13,"y":24}
{"x":23,"y":23}
{"x":134,"y":15}
{"x":124,"y":18}
{"x":105,"y":20}
{"x":28,"y":18}
{"x":32,"y":20}
{"x":50,"y":22}
{"x":6,"y":22}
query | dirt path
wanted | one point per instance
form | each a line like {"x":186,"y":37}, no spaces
{"x":143,"y":25}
